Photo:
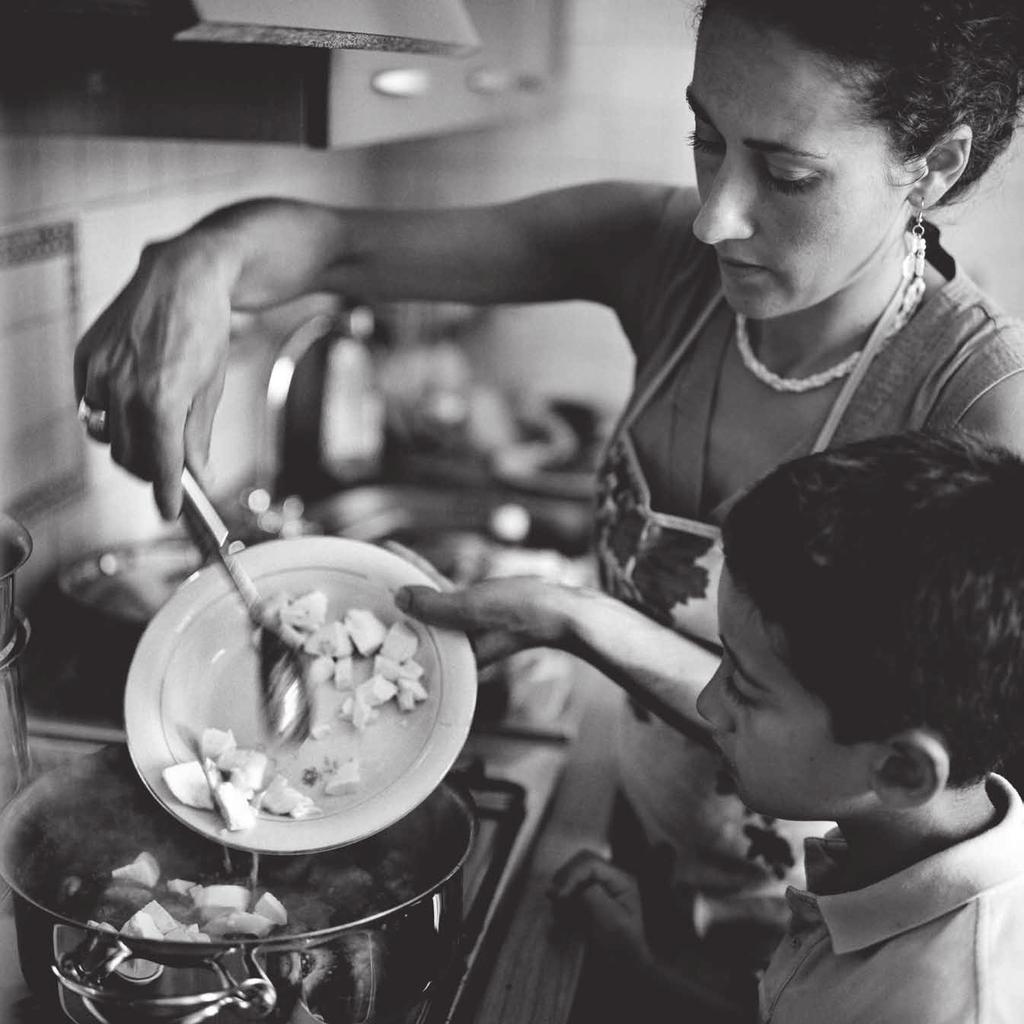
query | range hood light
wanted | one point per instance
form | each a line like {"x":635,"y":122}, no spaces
{"x":402,"y":26}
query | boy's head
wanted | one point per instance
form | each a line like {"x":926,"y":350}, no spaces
{"x":873,"y":601}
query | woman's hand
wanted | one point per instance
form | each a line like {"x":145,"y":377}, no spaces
{"x":155,"y":361}
{"x":604,"y":901}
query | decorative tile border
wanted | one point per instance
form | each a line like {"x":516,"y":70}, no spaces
{"x":22,"y":247}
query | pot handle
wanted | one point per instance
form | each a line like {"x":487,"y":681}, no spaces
{"x":84,"y":970}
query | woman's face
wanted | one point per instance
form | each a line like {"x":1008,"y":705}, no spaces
{"x":797,"y":189}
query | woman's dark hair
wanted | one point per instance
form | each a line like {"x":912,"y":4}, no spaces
{"x":890,"y":573}
{"x":923,"y":67}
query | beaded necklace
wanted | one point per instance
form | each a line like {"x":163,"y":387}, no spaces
{"x":912,"y":286}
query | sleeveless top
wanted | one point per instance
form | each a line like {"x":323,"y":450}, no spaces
{"x":655,"y":554}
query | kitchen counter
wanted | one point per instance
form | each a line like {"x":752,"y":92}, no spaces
{"x":536,"y":966}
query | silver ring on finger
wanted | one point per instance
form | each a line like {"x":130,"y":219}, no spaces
{"x":95,"y":420}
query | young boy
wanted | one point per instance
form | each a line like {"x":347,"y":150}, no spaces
{"x":872,"y":618}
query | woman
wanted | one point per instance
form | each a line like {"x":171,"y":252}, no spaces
{"x":800,"y":298}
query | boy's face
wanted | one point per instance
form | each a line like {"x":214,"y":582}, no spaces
{"x":775,"y":735}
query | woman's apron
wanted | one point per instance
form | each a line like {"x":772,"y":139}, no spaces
{"x":717,"y":851}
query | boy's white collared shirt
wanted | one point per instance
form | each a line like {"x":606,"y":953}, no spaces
{"x":941,"y":942}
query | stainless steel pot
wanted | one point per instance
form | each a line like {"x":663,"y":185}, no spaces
{"x":372,"y":926}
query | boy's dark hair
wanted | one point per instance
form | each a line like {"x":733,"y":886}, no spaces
{"x":922,"y":67}
{"x":891,"y":575}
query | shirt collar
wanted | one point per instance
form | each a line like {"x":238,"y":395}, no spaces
{"x":925,"y":890}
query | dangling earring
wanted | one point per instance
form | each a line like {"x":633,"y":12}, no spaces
{"x":913,"y":266}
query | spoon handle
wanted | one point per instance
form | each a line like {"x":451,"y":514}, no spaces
{"x":211,"y":536}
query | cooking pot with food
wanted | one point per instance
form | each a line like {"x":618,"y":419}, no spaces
{"x":368,"y":928}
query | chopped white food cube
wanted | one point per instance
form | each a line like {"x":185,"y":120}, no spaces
{"x":410,"y":669}
{"x":376,"y":691}
{"x":216,"y":742}
{"x":413,"y":687}
{"x":182,"y":886}
{"x":240,"y":922}
{"x":187,"y":783}
{"x":161,"y":918}
{"x":305,"y":613}
{"x":400,"y":642}
{"x":186,"y":933}
{"x":270,"y":907}
{"x":141,"y":926}
{"x":365,"y":629}
{"x":320,"y":670}
{"x":343,"y":673}
{"x":386,"y":667}
{"x":219,"y":899}
{"x":144,"y":869}
{"x":246,"y":769}
{"x":344,"y":778}
{"x":331,"y":639}
{"x":305,"y":809}
{"x":356,"y":709}
{"x":282,"y":798}
{"x":234,"y":808}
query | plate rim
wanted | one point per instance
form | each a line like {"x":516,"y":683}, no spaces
{"x":310,"y":835}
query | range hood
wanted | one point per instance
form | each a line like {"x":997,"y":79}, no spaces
{"x":406,"y":26}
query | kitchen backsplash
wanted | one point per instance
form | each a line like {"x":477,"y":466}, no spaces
{"x":75,"y":213}
{"x":74,"y":216}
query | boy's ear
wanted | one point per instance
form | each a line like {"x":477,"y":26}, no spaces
{"x":909,"y":769}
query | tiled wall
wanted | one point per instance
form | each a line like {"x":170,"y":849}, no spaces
{"x":74,"y":215}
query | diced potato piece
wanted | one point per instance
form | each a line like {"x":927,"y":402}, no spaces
{"x":241,"y":922}
{"x":247,"y":769}
{"x":186,"y":933}
{"x":233,"y":807}
{"x":365,"y":629}
{"x":345,"y":778}
{"x":187,"y":783}
{"x":400,"y":642}
{"x":357,"y":710}
{"x":343,"y":673}
{"x":386,"y":667}
{"x":280,"y":797}
{"x":305,"y":809}
{"x":270,"y":907}
{"x":182,"y":886}
{"x":321,"y":711}
{"x":161,"y":918}
{"x":413,"y":687}
{"x":320,"y":670}
{"x":216,"y":742}
{"x":144,"y":869}
{"x":141,"y":926}
{"x":330,"y":639}
{"x":410,"y":669}
{"x":305,"y":613}
{"x":377,"y":690}
{"x":212,"y":900}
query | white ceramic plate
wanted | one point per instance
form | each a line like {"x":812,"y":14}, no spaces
{"x":196,"y":667}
